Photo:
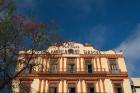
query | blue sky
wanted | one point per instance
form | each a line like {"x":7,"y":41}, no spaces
{"x":106,"y":24}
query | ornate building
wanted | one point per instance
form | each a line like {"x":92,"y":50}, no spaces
{"x":73,"y":68}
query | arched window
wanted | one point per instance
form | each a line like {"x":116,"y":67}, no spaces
{"x":71,"y":51}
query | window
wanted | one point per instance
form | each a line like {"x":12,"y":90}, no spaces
{"x":53,"y":68}
{"x":71,"y":68}
{"x":118,"y":88}
{"x":90,"y":88}
{"x":54,"y":60}
{"x":76,"y":51}
{"x":113,"y":66}
{"x":71,"y":51}
{"x":89,"y":68}
{"x":53,"y":88}
{"x":53,"y":65}
{"x":71,"y":88}
{"x":71,"y":65}
{"x":88,"y":65}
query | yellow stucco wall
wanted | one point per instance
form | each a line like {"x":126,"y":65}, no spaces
{"x":121,"y":64}
{"x":35,"y":85}
{"x":108,"y":86}
{"x":104,"y":62}
{"x":126,"y":86}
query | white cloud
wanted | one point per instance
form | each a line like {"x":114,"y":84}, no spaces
{"x":131,"y":48}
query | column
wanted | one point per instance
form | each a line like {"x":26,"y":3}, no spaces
{"x":93,"y":64}
{"x":60,"y":89}
{"x":65,"y":87}
{"x":100,"y":64}
{"x":82,"y":64}
{"x":96,"y":65}
{"x":79,"y":87}
{"x":60,"y":64}
{"x":46,"y":61}
{"x":35,"y":86}
{"x":84,"y":86}
{"x":77,"y":64}
{"x":64,"y":64}
{"x":39,"y":87}
{"x":99,"y":85}
{"x":46,"y":86}
{"x":103,"y":85}
{"x":42,"y":86}
{"x":44,"y":65}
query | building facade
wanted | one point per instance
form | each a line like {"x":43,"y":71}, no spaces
{"x":73,"y":68}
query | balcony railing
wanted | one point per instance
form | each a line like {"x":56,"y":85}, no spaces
{"x":71,"y":71}
{"x":72,"y":92}
{"x":115,"y":71}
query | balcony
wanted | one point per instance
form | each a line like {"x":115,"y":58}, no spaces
{"x":72,"y":92}
{"x":76,"y":72}
{"x":71,"y":71}
{"x":115,"y":71}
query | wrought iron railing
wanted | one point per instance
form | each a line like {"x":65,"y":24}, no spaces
{"x":71,"y":92}
{"x":71,"y":71}
{"x":115,"y":71}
